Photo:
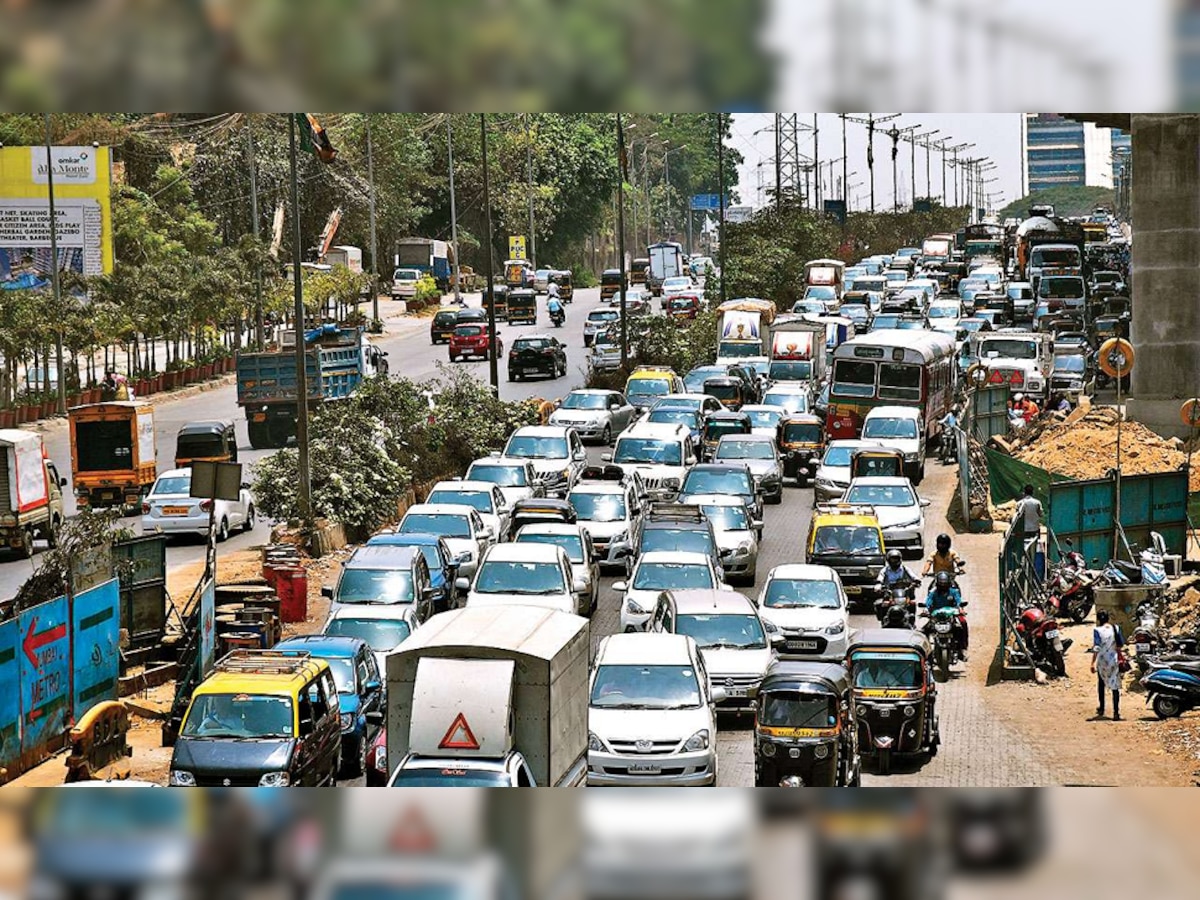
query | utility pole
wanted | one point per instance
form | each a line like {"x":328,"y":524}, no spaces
{"x":252,"y":165}
{"x":928,"y":189}
{"x":896,"y":134}
{"x":374,"y":243}
{"x":646,"y":188}
{"x":778,"y":161}
{"x":55,"y":288}
{"x":845,"y":190}
{"x":493,"y":371}
{"x":454,"y":210}
{"x":721,"y":190}
{"x":529,"y":190}
{"x":622,"y":165}
{"x":304,"y":482}
{"x":870,"y":121}
{"x":817,"y":155}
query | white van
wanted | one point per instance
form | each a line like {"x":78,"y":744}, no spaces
{"x":899,"y":427}
{"x":660,"y":452}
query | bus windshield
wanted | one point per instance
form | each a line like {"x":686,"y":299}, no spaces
{"x":853,"y":378}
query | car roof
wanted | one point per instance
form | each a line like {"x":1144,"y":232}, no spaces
{"x":802,"y":572}
{"x":591,"y":392}
{"x":680,"y":557}
{"x":599,"y":487}
{"x":689,"y":396}
{"x":501,"y":461}
{"x":661,"y":648}
{"x":374,"y":556}
{"x":711,"y":601}
{"x":715,"y":499}
{"x":446,"y":509}
{"x":894,"y":412}
{"x":787,"y":387}
{"x":207,"y":427}
{"x":532,"y":337}
{"x":324,"y":645}
{"x":388,"y":612}
{"x":881,"y":481}
{"x":464,"y":485}
{"x":555,"y":528}
{"x":541,"y":431}
{"x":721,"y":468}
{"x":532,"y":553}
{"x":177,"y":473}
{"x":396,"y":539}
{"x":660,"y":430}
{"x":759,"y":438}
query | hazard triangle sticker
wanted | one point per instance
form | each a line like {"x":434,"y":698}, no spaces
{"x":412,"y":833}
{"x":459,"y":736}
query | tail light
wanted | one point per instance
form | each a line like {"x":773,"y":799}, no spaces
{"x":206,"y":505}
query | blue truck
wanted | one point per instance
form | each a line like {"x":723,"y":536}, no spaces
{"x":336,"y":361}
{"x":427,"y":256}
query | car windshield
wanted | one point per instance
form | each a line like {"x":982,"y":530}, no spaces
{"x":838,"y":456}
{"x":677,"y":283}
{"x":1056,"y":257}
{"x":694,"y":380}
{"x":793,"y":403}
{"x":1069,"y":364}
{"x":343,"y":674}
{"x":820,"y":292}
{"x":645,"y":687}
{"x":238,"y":716}
{"x":715,"y":428}
{"x":854,"y":378}
{"x":764,"y":418}
{"x":888,"y":427}
{"x":792,"y":709}
{"x":531,"y":344}
{"x":177,"y":484}
{"x":649,"y":451}
{"x":881,"y":495}
{"x":91,"y":814}
{"x":381,"y":635}
{"x":648,"y":387}
{"x":504,"y":476}
{"x":790,"y":371}
{"x":886,"y":670}
{"x":480,"y":500}
{"x":710,"y":481}
{"x":884,"y":321}
{"x":571,"y":543}
{"x":797,"y":593}
{"x":603,"y":315}
{"x":498,"y":577}
{"x":1008,"y":348}
{"x":727,"y":518}
{"x":712,"y":631}
{"x":943,"y":312}
{"x":576,"y":400}
{"x":1060,"y":288}
{"x":444,"y":524}
{"x":808,"y":306}
{"x":735,"y":449}
{"x":669,"y":416}
{"x":970,"y":325}
{"x":375,"y":586}
{"x":672,"y":576}
{"x":406,"y":275}
{"x":468,"y":330}
{"x":731,"y":390}
{"x":801,"y":433}
{"x":679,"y":540}
{"x":851,"y":539}
{"x":598,"y":507}
{"x":526,"y":446}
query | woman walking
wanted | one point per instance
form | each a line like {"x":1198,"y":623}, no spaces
{"x":1107,"y":641}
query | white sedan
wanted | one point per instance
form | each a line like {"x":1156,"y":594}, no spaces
{"x":169,"y":508}
{"x":900,"y":511}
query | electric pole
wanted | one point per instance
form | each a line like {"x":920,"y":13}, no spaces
{"x":55,"y":288}
{"x":304,"y":483}
{"x":721,"y":194}
{"x":252,"y":165}
{"x":493,"y":371}
{"x":623,"y":166}
{"x":870,"y":121}
{"x":374,"y":243}
{"x":454,"y":209}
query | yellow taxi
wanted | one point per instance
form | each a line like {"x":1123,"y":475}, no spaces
{"x":648,"y":383}
{"x":848,"y":539}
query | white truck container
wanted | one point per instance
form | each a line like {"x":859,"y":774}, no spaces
{"x":345,"y":255}
{"x":744,"y":330}
{"x":492,"y":696}
{"x":31,"y":501}
{"x":798,"y":351}
{"x":666,"y":261}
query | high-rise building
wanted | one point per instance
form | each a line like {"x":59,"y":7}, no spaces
{"x":1060,"y":151}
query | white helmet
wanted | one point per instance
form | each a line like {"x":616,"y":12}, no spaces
{"x":1017,"y":398}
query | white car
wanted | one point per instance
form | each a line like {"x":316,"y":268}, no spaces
{"x":516,"y":478}
{"x":595,"y":414}
{"x":901,"y":428}
{"x":659,"y":571}
{"x":764,"y":418}
{"x":611,"y":513}
{"x":527,"y":575}
{"x":461,"y":526}
{"x":578,"y":546}
{"x":833,"y":474}
{"x":793,"y":397}
{"x":383,"y":627}
{"x":808,"y":606}
{"x":169,"y":508}
{"x":944,"y":315}
{"x":661,"y":454}
{"x":556,"y":452}
{"x":737,"y":541}
{"x":677,"y":284}
{"x":651,"y":717}
{"x":901,"y":513}
{"x":404,"y":283}
{"x":486,"y":498}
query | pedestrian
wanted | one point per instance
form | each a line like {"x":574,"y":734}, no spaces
{"x":1028,"y":515}
{"x":1107,"y":642}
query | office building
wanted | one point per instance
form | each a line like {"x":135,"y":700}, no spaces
{"x":1060,"y":151}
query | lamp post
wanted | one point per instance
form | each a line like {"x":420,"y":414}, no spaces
{"x":55,"y":288}
{"x":304,"y":482}
{"x":453,"y":209}
{"x":622,"y":165}
{"x":493,"y":372}
{"x":721,"y":196}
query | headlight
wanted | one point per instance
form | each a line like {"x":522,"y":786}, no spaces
{"x":347,"y":720}
{"x":821,"y":751}
{"x":595,"y":744}
{"x":275,"y":779}
{"x":623,"y":536}
{"x":180,"y":778}
{"x":380,"y":764}
{"x":698,"y":741}
{"x":634,"y":608}
{"x":825,"y":482}
{"x":908,"y":711}
{"x":771,"y":477}
{"x":672,"y":483}
{"x":565,"y":474}
{"x":745,"y":546}
{"x":836,"y":628}
{"x":910,"y":457}
{"x":768,"y":749}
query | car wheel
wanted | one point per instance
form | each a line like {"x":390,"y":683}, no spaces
{"x":453,"y":357}
{"x":248,"y":525}
{"x":606,"y":437}
{"x":223,"y":530}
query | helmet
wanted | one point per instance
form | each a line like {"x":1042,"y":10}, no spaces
{"x":942,"y":581}
{"x":1017,"y":398}
{"x":943,"y":543}
{"x":894,"y":559}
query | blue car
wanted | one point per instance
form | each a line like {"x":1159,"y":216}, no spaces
{"x":360,"y":692}
{"x":443,"y":565}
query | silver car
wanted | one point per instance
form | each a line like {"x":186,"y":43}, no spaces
{"x":594,"y":414}
{"x":758,"y":453}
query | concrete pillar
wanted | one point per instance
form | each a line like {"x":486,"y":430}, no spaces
{"x":1166,"y":269}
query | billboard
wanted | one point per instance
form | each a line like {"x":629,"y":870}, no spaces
{"x":83,"y":213}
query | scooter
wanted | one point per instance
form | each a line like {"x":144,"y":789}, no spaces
{"x":1175,"y":690}
{"x":1045,"y":644}
{"x":558,"y":318}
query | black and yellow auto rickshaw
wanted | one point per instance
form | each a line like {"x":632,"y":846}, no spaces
{"x":729,"y":390}
{"x":804,"y":729}
{"x":518,"y":273}
{"x":884,"y":462}
{"x":205,"y":442}
{"x":500,"y":292}
{"x":566,"y":290}
{"x":719,"y":424}
{"x":801,"y":441}
{"x":637,"y":271}
{"x":610,"y":284}
{"x":895,"y":693}
{"x":522,"y":307}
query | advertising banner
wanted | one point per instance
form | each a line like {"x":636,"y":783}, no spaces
{"x":95,"y":626}
{"x":10,"y":698}
{"x":208,"y":627}
{"x":44,"y":656}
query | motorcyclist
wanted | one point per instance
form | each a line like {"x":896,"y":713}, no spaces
{"x":945,"y":593}
{"x":943,"y":559}
{"x":554,"y":305}
{"x":552,"y":291}
{"x":893,"y":574}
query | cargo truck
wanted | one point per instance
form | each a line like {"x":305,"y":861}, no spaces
{"x":113,"y":459}
{"x":335,"y":364}
{"x":666,"y":261}
{"x":491,"y":696}
{"x":744,"y":329}
{"x":31,"y":501}
{"x":430,"y":257}
{"x":797,"y":351}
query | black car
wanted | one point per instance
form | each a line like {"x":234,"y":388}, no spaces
{"x":442,"y":325}
{"x":536,"y":354}
{"x":677,"y":527}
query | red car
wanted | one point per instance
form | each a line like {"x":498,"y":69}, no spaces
{"x":472,"y":340}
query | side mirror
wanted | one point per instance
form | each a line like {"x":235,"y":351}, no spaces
{"x":606,"y":457}
{"x":718,"y":693}
{"x":620,"y":586}
{"x":775,"y":639}
{"x":62,"y":482}
{"x":373,"y":685}
{"x":327,"y":591}
{"x":462,"y":584}
{"x":462,"y":557}
{"x":375,"y":717}
{"x":579,"y":585}
{"x":486,"y":533}
{"x":925,"y":502}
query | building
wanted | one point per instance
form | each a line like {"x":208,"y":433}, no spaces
{"x":1060,"y":151}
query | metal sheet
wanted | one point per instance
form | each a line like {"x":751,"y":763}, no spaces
{"x":95,"y":631}
{"x":10,"y":697}
{"x":44,"y":655}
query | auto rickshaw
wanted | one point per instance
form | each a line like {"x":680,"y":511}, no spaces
{"x":610,"y":284}
{"x":882,"y":461}
{"x":518,"y":273}
{"x":801,"y":443}
{"x":895,"y":693}
{"x":500,"y":292}
{"x":719,"y":424}
{"x":729,"y":390}
{"x":522,"y":307}
{"x":804,"y":727}
{"x":212,"y":441}
{"x":637,"y":272}
{"x":566,"y":290}
{"x":683,"y":307}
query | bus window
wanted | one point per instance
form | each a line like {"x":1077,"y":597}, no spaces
{"x":899,"y":382}
{"x":853,"y":379}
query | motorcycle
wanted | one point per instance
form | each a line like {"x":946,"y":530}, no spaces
{"x":1071,"y":586}
{"x":1174,"y":690}
{"x":948,"y":448}
{"x":1045,"y":644}
{"x":896,"y":606}
{"x":944,"y":629}
{"x":558,"y":317}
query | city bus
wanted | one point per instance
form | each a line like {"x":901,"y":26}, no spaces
{"x":891,"y":368}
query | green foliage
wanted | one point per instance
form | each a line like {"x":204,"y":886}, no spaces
{"x":1068,"y":200}
{"x":79,"y":538}
{"x":664,"y":342}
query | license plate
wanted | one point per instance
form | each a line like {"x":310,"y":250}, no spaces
{"x":943,"y":627}
{"x":800,"y":645}
{"x":1142,"y":648}
{"x":175,"y":510}
{"x":1052,"y":635}
{"x":531,"y":370}
{"x":736,"y":692}
{"x":644,"y":769}
{"x":852,"y":589}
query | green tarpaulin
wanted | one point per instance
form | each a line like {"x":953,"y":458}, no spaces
{"x":1007,"y":478}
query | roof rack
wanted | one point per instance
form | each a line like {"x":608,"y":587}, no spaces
{"x":265,"y":662}
{"x":844,"y":509}
{"x":606,"y":472}
{"x":674,"y":512}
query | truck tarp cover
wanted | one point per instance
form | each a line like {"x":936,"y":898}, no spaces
{"x":460,"y":707}
{"x":22,"y":470}
{"x":792,"y":345}
{"x":822,"y":275}
{"x":936,"y":248}
{"x":764,"y":308}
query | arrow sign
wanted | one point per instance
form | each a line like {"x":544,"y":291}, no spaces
{"x":34,"y":641}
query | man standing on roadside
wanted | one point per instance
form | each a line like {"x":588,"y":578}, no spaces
{"x":1028,"y":516}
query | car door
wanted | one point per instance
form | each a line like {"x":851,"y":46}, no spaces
{"x":306,"y":768}
{"x":370,"y":683}
{"x":624,"y":412}
{"x":329,"y":727}
{"x":503,"y":512}
{"x":578,"y":456}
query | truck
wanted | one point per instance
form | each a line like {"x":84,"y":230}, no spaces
{"x":494,"y":696}
{"x":825,"y":273}
{"x":430,"y":257}
{"x":1020,"y":359}
{"x":744,"y":329}
{"x":937,"y":248}
{"x":336,"y":363}
{"x":31,"y":500}
{"x":113,"y":460}
{"x":797,"y":351}
{"x":666,"y":261}
{"x":345,"y":255}
{"x":985,"y":240}
{"x":1061,"y":243}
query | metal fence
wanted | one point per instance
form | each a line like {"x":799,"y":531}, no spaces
{"x":1020,"y":581}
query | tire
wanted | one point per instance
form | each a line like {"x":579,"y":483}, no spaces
{"x":606,"y":438}
{"x":883,"y":765}
{"x":260,"y":435}
{"x":1079,"y":613}
{"x":223,"y":530}
{"x":52,"y":534}
{"x":941,"y":658}
{"x":248,"y":525}
{"x":25,"y":548}
{"x":1054,"y":660}
{"x":358,"y":767}
{"x":774,"y":500}
{"x":1167,"y":707}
